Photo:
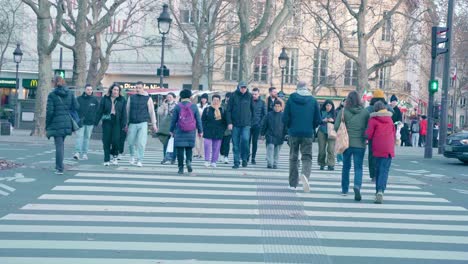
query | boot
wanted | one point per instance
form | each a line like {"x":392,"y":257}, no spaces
{"x":189,"y":165}
{"x":181,"y":170}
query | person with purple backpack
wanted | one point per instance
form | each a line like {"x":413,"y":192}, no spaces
{"x":184,"y":125}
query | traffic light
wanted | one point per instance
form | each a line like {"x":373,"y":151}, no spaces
{"x":433,"y":86}
{"x":59,"y":72}
{"x":165,"y":71}
{"x":437,"y":39}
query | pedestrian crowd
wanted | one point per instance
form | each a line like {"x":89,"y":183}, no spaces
{"x":205,"y":130}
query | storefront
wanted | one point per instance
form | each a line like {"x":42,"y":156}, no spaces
{"x":7,"y":91}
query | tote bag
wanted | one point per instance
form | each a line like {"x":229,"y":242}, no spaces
{"x":342,"y":139}
{"x":331,"y":131}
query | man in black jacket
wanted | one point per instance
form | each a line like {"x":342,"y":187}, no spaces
{"x":239,"y":116}
{"x":259,"y":114}
{"x":87,"y":113}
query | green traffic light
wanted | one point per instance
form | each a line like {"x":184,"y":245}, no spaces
{"x":433,"y":86}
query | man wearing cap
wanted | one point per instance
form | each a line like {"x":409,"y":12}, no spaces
{"x":397,"y":117}
{"x":239,"y":116}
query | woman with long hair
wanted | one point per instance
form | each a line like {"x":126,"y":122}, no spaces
{"x":112,"y":112}
{"x":326,"y":155}
{"x":355,"y":118}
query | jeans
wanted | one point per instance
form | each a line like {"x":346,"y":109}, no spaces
{"x":225,"y":146}
{"x":304,"y":145}
{"x":110,"y":138}
{"x":339,"y":157}
{"x":253,"y":141}
{"x":415,"y":139}
{"x":123,"y":137}
{"x":212,"y":147}
{"x":371,"y":160}
{"x":326,"y":150}
{"x":180,"y":155}
{"x":240,"y":143}
{"x":423,"y":140}
{"x":82,"y":139}
{"x":383,"y":167}
{"x":272,"y":153}
{"x":137,"y":137}
{"x":59,"y":152}
{"x":357,"y":154}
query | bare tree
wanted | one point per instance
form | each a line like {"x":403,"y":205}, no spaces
{"x":366,"y":21}
{"x":8,"y":25}
{"x":45,"y":46}
{"x":255,"y":37}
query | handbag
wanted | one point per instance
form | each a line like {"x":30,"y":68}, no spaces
{"x":331,"y":131}
{"x":106,"y":117}
{"x":342,"y":139}
{"x":75,"y":119}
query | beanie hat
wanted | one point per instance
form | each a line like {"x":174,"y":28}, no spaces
{"x":378,"y":94}
{"x":204,"y":96}
{"x":393,"y":98}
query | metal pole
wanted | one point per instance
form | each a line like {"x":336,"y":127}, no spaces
{"x":16,"y":122}
{"x":430,"y":116}
{"x":446,"y":79}
{"x":282,"y":79}
{"x":61,"y":58}
{"x":161,"y":75}
{"x":455,"y":103}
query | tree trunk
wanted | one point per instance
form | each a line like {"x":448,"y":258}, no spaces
{"x":94,"y":62}
{"x":363,"y":77}
{"x":245,"y":61}
{"x":79,"y":53}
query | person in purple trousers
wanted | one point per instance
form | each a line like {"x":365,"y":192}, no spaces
{"x":214,"y":125}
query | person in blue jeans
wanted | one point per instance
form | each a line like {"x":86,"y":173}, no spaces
{"x":239,"y":116}
{"x":355,"y":118}
{"x":88,"y":108}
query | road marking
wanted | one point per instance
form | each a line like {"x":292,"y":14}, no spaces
{"x":392,"y":237}
{"x":428,"y":217}
{"x":6,"y":187}
{"x":461,"y":191}
{"x":384,"y":206}
{"x":230,"y":221}
{"x":152,"y":183}
{"x":52,"y":260}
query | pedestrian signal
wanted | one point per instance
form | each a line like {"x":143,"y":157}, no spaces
{"x":59,"y":72}
{"x":433,"y":86}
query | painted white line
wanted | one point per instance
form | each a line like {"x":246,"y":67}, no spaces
{"x":152,"y":183}
{"x":392,"y":237}
{"x":6,"y":187}
{"x":229,"y":221}
{"x":51,"y":260}
{"x":147,"y":199}
{"x":387,"y":198}
{"x":429,"y":217}
{"x":137,"y":209}
{"x":385,"y":206}
{"x":4,"y":193}
{"x":233,"y":248}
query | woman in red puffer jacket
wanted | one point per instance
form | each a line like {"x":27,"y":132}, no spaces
{"x":381,"y":131}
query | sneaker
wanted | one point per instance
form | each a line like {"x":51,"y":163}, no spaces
{"x":84,"y":157}
{"x":305,"y":183}
{"x":292,"y":188}
{"x":275,"y":167}
{"x":322,"y":167}
{"x":269,"y":167}
{"x":114,"y":162}
{"x":76,"y":156}
{"x":344,"y":194}
{"x":213,"y":165}
{"x":132,"y":161}
{"x":207,"y":164}
{"x":331,"y":168}
{"x":163,"y":161}
{"x":107,"y":164}
{"x":244,"y":164}
{"x":226,"y":160}
{"x":235,"y":166}
{"x":378,"y":198}
{"x":58,"y":172}
{"x":253,"y":162}
{"x":139,"y":164}
{"x":357,"y":194}
{"x":119,"y":157}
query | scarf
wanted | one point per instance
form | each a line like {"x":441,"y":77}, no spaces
{"x":185,"y":100}
{"x":303,"y":91}
{"x":217,"y":113}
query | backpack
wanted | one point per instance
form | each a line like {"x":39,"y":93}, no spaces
{"x":415,"y":128}
{"x":186,"y":120}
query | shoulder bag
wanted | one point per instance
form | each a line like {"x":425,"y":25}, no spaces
{"x":342,"y":139}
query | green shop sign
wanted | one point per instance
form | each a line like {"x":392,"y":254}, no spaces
{"x":30,"y":83}
{"x":7,"y":83}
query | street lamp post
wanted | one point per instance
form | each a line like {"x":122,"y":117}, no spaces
{"x":283,"y":61}
{"x":164,"y":25}
{"x":17,"y":57}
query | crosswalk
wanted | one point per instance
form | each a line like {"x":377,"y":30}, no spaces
{"x":152,"y":215}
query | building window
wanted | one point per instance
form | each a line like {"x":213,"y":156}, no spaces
{"x":260,"y":72}
{"x":290,"y":72}
{"x":350,"y":76}
{"x":231,"y":65}
{"x":387,"y":28}
{"x":187,"y":16}
{"x":384,"y":78}
{"x":294,"y":25}
{"x":462,"y":121}
{"x":320,"y":67}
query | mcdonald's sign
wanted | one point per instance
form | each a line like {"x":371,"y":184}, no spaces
{"x":30,"y":83}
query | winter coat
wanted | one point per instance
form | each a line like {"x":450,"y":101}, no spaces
{"x":397,"y":116}
{"x":182,"y":138}
{"x":89,"y":106}
{"x":423,"y":127}
{"x":404,"y":132}
{"x":213,"y":129}
{"x":105,"y":108}
{"x":356,"y":122}
{"x":59,"y":103}
{"x":382,"y":133}
{"x":224,"y":104}
{"x":259,"y":112}
{"x":165,"y":112}
{"x":301,"y":116}
{"x":240,"y":109}
{"x":273,"y":128}
{"x":323,"y":125}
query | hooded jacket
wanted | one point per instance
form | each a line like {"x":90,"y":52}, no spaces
{"x":59,"y":103}
{"x":356,"y":122}
{"x":382,"y":133}
{"x":273,"y":128}
{"x":88,"y":109}
{"x":301,"y":115}
{"x":240,"y":109}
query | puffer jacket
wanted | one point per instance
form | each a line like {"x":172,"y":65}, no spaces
{"x":356,"y":123}
{"x":382,"y":133}
{"x":59,"y":103}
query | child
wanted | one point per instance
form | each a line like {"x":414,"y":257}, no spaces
{"x":274,"y":131}
{"x":381,"y":131}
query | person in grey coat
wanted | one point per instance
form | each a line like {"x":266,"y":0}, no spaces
{"x":58,"y":120}
{"x":184,"y":141}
